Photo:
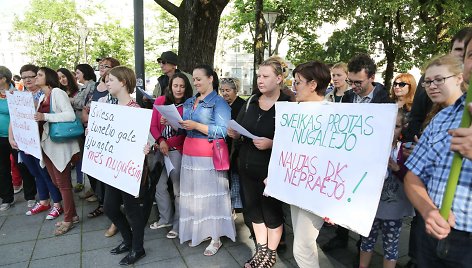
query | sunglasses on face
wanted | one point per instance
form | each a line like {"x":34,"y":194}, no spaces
{"x":401,"y":84}
{"x":162,"y":62}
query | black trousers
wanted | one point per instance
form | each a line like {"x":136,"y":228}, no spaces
{"x":6,"y":184}
{"x":132,"y":231}
{"x":29,"y":182}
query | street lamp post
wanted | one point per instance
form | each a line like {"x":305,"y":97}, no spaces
{"x":83,"y":33}
{"x":269,"y":18}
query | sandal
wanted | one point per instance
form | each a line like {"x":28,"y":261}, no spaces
{"x":97,"y":212}
{"x":269,"y":259}
{"x":75,"y":220}
{"x":192,"y":245}
{"x":172,"y":234}
{"x":258,"y":257}
{"x":63,"y":228}
{"x":213,"y":248}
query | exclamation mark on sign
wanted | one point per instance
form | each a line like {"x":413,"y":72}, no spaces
{"x":355,"y":188}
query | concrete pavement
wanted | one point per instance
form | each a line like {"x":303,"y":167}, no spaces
{"x":28,"y":241}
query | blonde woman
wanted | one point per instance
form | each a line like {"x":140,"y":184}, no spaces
{"x":338,"y":76}
{"x":264,"y":212}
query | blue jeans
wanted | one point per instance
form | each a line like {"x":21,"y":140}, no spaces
{"x":44,"y":184}
{"x":459,"y":253}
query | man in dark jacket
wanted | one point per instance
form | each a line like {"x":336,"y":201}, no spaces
{"x":361,"y":75}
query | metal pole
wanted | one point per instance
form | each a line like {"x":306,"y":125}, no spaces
{"x":270,"y":38}
{"x":139,"y":49}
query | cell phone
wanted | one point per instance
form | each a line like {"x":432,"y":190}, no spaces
{"x":409,"y":144}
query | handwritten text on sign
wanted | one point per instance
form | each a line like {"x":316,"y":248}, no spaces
{"x":331,"y":159}
{"x":113,"y":151}
{"x":24,"y":127}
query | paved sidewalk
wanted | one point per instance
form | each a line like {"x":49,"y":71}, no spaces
{"x":28,"y":241}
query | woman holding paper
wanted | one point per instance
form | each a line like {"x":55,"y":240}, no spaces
{"x":170,"y":142}
{"x":121,"y":83}
{"x":205,"y":205}
{"x":57,"y":156}
{"x":258,"y":118}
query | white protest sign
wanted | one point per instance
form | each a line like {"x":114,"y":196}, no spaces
{"x":25,"y":128}
{"x":113,"y":151}
{"x":331,"y":159}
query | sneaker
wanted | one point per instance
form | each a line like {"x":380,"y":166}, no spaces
{"x":6,"y":206}
{"x":54,"y":213}
{"x":79,"y":187}
{"x":17,"y":189}
{"x":37,"y":209}
{"x":31,"y":203}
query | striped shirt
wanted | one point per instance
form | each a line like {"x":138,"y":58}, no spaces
{"x":431,"y":162}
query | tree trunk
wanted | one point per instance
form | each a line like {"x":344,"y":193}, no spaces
{"x":258,"y":43}
{"x":198,"y":30}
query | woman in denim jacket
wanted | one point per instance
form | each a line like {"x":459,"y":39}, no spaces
{"x":205,"y":205}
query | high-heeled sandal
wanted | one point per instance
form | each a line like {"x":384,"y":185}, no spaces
{"x":269,"y":259}
{"x":258,"y":257}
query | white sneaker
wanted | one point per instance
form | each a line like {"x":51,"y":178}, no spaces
{"x":31,"y":203}
{"x":6,"y":206}
{"x":17,"y":189}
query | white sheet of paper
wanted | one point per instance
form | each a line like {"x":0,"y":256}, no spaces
{"x":146,"y":94}
{"x":171,"y":114}
{"x":235,"y":126}
{"x":168,"y":163}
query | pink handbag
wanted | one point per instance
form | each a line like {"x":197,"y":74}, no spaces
{"x":220,"y":155}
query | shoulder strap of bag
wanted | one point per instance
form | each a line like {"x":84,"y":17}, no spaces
{"x":248,"y":101}
{"x":50,"y":102}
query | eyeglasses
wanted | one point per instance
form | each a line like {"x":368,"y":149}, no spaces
{"x":162,"y":61}
{"x":28,"y":77}
{"x":436,"y":81}
{"x":356,"y":83}
{"x":401,"y":84}
{"x":228,"y":81}
{"x":104,"y":66}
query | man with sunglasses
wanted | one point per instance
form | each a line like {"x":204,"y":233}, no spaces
{"x":168,"y":62}
{"x":361,"y":75}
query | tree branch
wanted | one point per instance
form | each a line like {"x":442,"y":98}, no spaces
{"x":170,"y":7}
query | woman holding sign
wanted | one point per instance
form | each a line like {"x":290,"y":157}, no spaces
{"x":121,"y":83}
{"x":205,"y":205}
{"x":54,"y":106}
{"x":311,"y":80}
{"x":170,"y":143}
{"x":258,"y":117}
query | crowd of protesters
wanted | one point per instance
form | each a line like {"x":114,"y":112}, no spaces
{"x":197,"y":200}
